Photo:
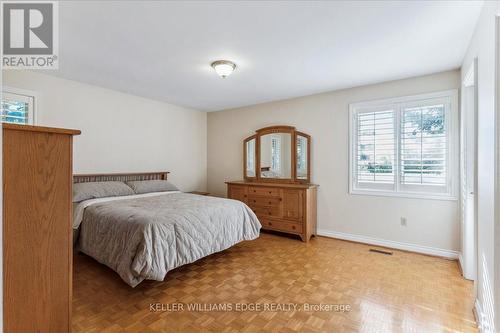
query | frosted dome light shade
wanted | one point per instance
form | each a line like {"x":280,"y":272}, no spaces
{"x":223,"y":68}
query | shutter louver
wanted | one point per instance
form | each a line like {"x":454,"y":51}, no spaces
{"x":14,"y":112}
{"x":423,"y":146}
{"x":375,"y":147}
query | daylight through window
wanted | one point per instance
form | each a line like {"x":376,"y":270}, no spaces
{"x":404,"y":146}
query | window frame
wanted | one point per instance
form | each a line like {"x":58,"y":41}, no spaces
{"x":32,"y":116}
{"x":404,"y":190}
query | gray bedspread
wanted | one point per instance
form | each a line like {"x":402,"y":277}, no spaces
{"x":144,"y":238}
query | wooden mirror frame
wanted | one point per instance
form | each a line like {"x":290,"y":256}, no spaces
{"x":277,"y":129}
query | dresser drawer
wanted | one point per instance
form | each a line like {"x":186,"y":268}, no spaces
{"x":266,"y":211}
{"x":238,"y":193}
{"x":264,"y":191}
{"x":281,"y":226}
{"x":285,"y":207}
{"x":293,"y":201}
{"x":263,"y":201}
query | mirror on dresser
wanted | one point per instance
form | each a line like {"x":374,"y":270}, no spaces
{"x":249,"y":162}
{"x":276,"y":185}
{"x":277,"y":154}
{"x":302,"y":157}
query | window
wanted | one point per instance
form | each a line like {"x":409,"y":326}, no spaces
{"x":375,"y":148}
{"x":276,"y":154}
{"x":405,"y":146}
{"x":17,"y":107}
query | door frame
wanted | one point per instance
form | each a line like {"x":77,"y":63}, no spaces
{"x":496,"y":236}
{"x":469,"y":236}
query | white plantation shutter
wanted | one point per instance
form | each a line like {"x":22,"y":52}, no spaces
{"x":16,"y":108}
{"x":424,"y":147}
{"x":375,"y":148}
{"x":405,"y":146}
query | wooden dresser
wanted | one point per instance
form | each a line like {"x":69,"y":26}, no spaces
{"x":289,"y":208}
{"x":37,"y":234}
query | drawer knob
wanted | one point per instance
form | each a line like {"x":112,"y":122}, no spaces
{"x":255,"y":201}
{"x":293,"y":227}
{"x":270,"y":192}
{"x":269,"y":213}
{"x":269,"y":202}
{"x":270,"y":223}
{"x":244,"y":196}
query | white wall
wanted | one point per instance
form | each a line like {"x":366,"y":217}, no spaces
{"x":431,"y":223}
{"x":121,"y":132}
{"x":482,"y":46}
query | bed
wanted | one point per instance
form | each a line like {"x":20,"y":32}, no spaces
{"x":144,"y":235}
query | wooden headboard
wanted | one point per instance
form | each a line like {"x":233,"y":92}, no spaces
{"x":123,"y":177}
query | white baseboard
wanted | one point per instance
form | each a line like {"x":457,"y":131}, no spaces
{"x":391,"y":244}
{"x":478,"y":313}
{"x":482,"y":322}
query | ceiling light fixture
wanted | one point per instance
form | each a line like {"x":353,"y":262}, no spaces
{"x":223,"y":67}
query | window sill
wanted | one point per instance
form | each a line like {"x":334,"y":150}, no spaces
{"x":407,"y":195}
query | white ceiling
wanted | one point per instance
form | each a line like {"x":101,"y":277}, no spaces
{"x":163,"y":50}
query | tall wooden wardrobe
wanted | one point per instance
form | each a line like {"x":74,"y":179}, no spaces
{"x":37,"y":235}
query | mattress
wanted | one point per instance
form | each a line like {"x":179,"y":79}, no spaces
{"x":145,"y":236}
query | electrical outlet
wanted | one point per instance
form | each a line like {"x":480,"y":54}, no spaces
{"x":403,"y":221}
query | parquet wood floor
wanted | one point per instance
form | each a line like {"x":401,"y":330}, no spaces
{"x":405,"y":292}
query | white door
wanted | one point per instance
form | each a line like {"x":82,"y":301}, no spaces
{"x":468,"y":173}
